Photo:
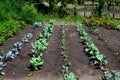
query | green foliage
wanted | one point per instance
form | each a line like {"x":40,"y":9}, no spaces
{"x":47,"y":31}
{"x":7,"y":29}
{"x":104,"y":22}
{"x":29,"y":14}
{"x":17,"y":10}
{"x":62,"y":10}
{"x":10,"y":9}
{"x":41,"y":44}
{"x":118,"y":27}
{"x":36,"y":62}
{"x":81,"y":1}
{"x":2,"y":39}
{"x":111,"y":75}
{"x":91,"y":49}
{"x":99,"y":9}
{"x":69,"y":76}
{"x":65,"y":68}
{"x":93,"y":28}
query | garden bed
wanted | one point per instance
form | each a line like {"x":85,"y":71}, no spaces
{"x":17,"y":69}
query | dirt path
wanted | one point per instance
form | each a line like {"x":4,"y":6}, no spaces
{"x":80,"y":62}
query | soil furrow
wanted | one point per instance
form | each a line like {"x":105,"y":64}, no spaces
{"x":52,"y":58}
{"x":79,"y":61}
{"x":17,"y":68}
{"x":108,"y":45}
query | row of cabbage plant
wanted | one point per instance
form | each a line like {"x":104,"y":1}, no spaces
{"x":93,"y":28}
{"x":98,"y":59}
{"x":66,"y":74}
{"x":13,"y":52}
{"x":5,"y":57}
{"x":91,"y":50}
{"x":109,"y":74}
{"x":40,"y":45}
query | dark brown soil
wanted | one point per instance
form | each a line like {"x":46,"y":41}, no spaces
{"x":79,"y":61}
{"x":108,"y":44}
{"x":17,"y":69}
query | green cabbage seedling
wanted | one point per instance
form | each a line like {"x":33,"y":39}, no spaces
{"x":69,"y":76}
{"x":36,"y":62}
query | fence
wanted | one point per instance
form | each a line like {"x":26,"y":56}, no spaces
{"x":87,"y":10}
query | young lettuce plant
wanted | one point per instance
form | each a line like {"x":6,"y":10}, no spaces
{"x":45,"y":34}
{"x":111,"y":75}
{"x":69,"y":76}
{"x":86,"y":40}
{"x":36,"y":62}
{"x":49,"y":28}
{"x":100,"y":60}
{"x":52,"y":22}
{"x":91,"y":49}
{"x":93,"y":28}
{"x":64,"y":55}
{"x":39,"y":45}
{"x":118,"y":27}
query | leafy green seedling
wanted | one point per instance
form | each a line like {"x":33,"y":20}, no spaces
{"x":36,"y":62}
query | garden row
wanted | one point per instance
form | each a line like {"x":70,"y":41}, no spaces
{"x":66,"y":74}
{"x":14,"y":52}
{"x":99,"y":60}
{"x":40,"y":45}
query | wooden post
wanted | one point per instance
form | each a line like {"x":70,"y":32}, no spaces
{"x":84,"y":11}
{"x":113,"y":8}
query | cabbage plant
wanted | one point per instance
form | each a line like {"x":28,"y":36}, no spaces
{"x":27,"y":37}
{"x":36,"y":62}
{"x":69,"y":76}
{"x":45,"y":34}
{"x":118,"y":27}
{"x":111,"y":75}
{"x":9,"y":56}
{"x":18,"y":45}
{"x":1,"y":68}
{"x":37,"y":24}
{"x":1,"y":54}
{"x":91,"y":49}
{"x":39,"y":45}
{"x":49,"y":28}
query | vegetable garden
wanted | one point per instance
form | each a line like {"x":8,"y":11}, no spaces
{"x":68,"y":47}
{"x":61,"y":51}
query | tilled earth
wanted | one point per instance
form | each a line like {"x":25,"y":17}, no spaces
{"x":17,"y":69}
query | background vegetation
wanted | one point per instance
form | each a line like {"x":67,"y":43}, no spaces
{"x":15,"y":14}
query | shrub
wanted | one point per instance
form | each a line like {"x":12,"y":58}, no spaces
{"x":29,"y":14}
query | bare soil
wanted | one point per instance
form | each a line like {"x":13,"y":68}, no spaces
{"x":108,"y":44}
{"x":17,"y":69}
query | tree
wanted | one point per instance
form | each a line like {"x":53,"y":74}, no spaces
{"x":101,"y":6}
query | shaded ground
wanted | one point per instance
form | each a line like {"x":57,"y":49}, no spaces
{"x":17,"y":69}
